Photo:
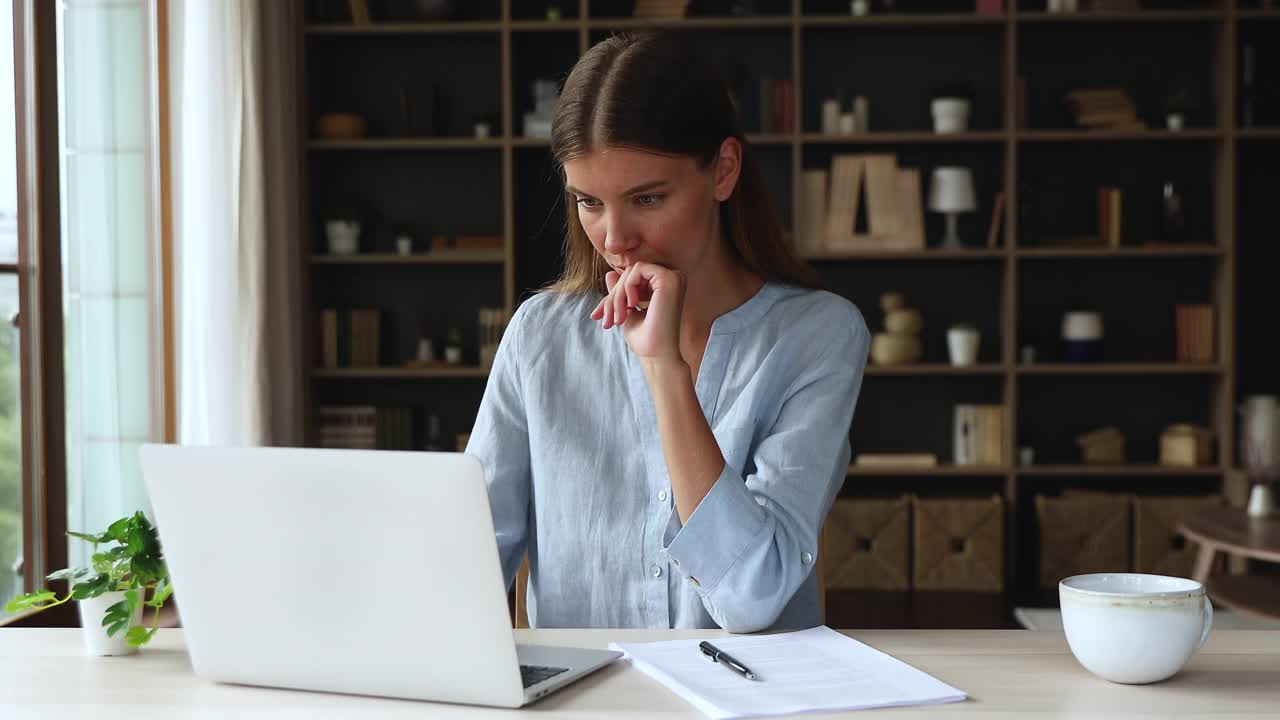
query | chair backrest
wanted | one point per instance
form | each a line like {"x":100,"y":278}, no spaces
{"x":522,"y":589}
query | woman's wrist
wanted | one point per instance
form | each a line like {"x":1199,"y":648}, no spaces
{"x":663,"y":370}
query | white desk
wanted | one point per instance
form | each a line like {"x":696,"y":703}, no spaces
{"x":1007,"y":673}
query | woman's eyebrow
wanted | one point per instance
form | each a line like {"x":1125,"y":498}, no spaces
{"x":637,"y":189}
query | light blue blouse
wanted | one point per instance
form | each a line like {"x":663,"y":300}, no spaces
{"x":567,"y":434}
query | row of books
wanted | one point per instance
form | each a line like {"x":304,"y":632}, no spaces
{"x":350,"y":338}
{"x":364,"y":427}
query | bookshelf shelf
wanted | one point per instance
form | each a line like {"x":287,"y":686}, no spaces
{"x":1141,"y":16}
{"x":1258,"y":14}
{"x":766,"y":22}
{"x":938,"y":369}
{"x":1091,"y":136}
{"x":436,"y":257}
{"x":1259,"y":133}
{"x":382,"y":373}
{"x":1041,"y":471}
{"x":937,"y":471}
{"x":1050,"y":369}
{"x":906,"y":138}
{"x":903,"y":20}
{"x":530,"y":26}
{"x":423,"y":28}
{"x":459,"y":143}
{"x":1138,"y":251}
{"x":908,"y":255}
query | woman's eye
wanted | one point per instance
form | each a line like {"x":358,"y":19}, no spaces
{"x":649,"y":200}
{"x":588,"y":203}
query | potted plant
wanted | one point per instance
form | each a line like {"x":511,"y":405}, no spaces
{"x":112,"y":593}
{"x":342,"y":231}
{"x":962,"y":344}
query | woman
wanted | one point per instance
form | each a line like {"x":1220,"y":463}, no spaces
{"x":666,"y":427}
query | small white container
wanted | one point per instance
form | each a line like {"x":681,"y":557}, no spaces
{"x":950,"y":115}
{"x":848,"y":124}
{"x":343,"y":236}
{"x":96,"y":639}
{"x":962,"y":346}
{"x":404,"y":245}
{"x":830,"y":116}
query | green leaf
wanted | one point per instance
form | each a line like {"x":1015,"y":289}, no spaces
{"x":86,"y":537}
{"x":147,"y":569}
{"x":68,"y":574}
{"x":162,"y":593}
{"x":139,"y":635}
{"x":30,"y":601}
{"x":119,"y":529}
{"x":116,"y":628}
{"x":91,"y":588}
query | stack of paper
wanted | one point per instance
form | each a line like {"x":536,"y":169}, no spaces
{"x":805,"y":671}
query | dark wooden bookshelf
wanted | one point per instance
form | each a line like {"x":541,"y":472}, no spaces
{"x":1016,"y":291}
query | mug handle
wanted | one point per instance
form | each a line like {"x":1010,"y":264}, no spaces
{"x":1208,"y":621}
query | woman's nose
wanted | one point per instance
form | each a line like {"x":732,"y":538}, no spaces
{"x":618,"y":239}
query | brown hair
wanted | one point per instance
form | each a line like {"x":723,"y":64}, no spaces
{"x":652,"y":91}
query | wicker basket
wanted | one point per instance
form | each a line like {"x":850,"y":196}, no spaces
{"x":1157,"y":546}
{"x":1082,"y":533}
{"x":865,"y":544}
{"x":959,"y":544}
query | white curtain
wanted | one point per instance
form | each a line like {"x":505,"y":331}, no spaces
{"x":235,"y":175}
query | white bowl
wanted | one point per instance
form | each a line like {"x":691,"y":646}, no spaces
{"x":1133,"y":628}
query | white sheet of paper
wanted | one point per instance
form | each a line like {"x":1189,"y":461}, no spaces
{"x":805,"y":671}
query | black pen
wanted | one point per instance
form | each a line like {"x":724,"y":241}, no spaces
{"x":725,"y":659}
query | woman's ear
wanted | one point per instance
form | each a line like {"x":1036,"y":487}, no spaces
{"x":728,"y":165}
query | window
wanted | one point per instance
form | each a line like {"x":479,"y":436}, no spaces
{"x":109,"y":250}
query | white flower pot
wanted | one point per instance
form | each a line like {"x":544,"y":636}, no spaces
{"x":962,"y":345}
{"x":96,"y":640}
{"x":453,"y":355}
{"x":343,"y":236}
{"x":950,"y":115}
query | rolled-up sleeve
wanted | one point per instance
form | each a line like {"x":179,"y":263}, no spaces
{"x":753,"y":540}
{"x":500,"y":440}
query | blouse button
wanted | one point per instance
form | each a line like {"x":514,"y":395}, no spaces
{"x":662,"y":496}
{"x":657,"y":571}
{"x":806,"y":558}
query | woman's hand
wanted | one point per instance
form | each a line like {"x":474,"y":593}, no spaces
{"x":646,"y":300}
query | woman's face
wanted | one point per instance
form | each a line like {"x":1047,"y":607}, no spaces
{"x":637,"y":206}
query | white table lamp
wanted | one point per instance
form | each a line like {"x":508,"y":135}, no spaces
{"x":951,"y":193}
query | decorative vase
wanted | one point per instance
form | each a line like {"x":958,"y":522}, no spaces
{"x":1262,"y":501}
{"x":1082,"y":336}
{"x":343,"y":236}
{"x":962,"y":346}
{"x":892,"y":349}
{"x":1260,"y":436}
{"x":96,"y":639}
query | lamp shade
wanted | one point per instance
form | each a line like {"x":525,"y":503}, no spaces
{"x":952,"y":190}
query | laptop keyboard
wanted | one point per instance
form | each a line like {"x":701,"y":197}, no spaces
{"x":534,"y":674}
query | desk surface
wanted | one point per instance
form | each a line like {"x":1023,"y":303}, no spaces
{"x":1007,"y":673}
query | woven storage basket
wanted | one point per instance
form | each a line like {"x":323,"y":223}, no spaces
{"x":1082,"y":533}
{"x":959,"y":544}
{"x":866,"y":544}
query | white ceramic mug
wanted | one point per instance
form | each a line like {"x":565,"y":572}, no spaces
{"x":1133,"y":628}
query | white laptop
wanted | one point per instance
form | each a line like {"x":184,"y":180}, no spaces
{"x":352,"y":571}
